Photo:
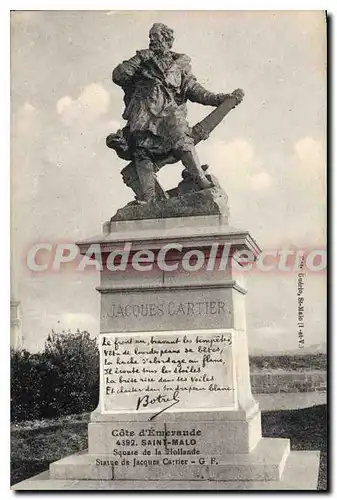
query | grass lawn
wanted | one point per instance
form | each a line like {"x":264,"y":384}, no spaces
{"x":36,"y":444}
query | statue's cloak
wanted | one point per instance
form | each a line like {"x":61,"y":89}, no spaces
{"x":155,"y":104}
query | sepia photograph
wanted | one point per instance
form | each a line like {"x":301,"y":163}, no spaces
{"x":168,"y":218}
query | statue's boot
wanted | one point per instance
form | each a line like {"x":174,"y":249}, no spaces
{"x":131,"y":179}
{"x":191,"y":162}
{"x":146,"y":178}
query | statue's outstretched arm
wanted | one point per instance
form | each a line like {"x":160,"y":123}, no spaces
{"x":197,"y":93}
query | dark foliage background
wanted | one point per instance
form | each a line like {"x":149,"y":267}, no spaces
{"x":61,"y":380}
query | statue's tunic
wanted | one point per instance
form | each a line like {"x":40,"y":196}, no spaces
{"x":156,"y":91}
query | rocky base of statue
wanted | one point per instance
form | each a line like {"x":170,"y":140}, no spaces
{"x":212,"y":201}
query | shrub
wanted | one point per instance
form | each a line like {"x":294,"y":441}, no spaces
{"x":61,"y":380}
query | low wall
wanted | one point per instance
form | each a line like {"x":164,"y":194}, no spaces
{"x":286,"y":381}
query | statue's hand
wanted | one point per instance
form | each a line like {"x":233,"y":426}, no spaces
{"x":146,"y":54}
{"x":238,"y":95}
{"x":220,"y":98}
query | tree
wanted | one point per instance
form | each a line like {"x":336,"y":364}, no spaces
{"x":74,"y":360}
{"x":61,"y":380}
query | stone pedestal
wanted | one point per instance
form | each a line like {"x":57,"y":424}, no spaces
{"x":175,"y":398}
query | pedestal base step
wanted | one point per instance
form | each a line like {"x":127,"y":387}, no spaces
{"x":300,"y":473}
{"x":265,"y":463}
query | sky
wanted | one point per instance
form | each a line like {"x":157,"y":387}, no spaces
{"x":269,"y":153}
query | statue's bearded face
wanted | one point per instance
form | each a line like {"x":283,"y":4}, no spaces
{"x":159,"y":43}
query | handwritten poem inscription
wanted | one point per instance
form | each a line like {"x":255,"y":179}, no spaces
{"x":157,"y":372}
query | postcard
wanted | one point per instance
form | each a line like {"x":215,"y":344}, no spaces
{"x":168,"y":250}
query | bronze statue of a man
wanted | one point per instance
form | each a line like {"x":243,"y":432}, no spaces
{"x":157,"y":83}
